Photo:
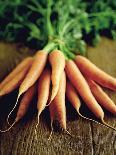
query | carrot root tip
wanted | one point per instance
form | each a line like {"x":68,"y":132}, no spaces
{"x":107,"y":125}
{"x":36,"y":131}
{"x":102,"y":120}
{"x":48,"y":103}
{"x":52,"y":97}
{"x":11,"y":126}
{"x":51,"y":133}
{"x":50,"y":136}
{"x":38,"y":118}
{"x":69,"y":133}
{"x":37,"y":126}
{"x":8,"y":121}
{"x":13,"y":110}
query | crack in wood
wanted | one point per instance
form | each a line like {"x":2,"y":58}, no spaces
{"x":92,"y":136}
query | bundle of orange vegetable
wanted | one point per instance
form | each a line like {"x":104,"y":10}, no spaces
{"x":57,"y":71}
{"x":52,"y":77}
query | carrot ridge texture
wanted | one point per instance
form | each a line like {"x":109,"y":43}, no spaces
{"x":15,"y":81}
{"x":57,"y":62}
{"x":26,"y":62}
{"x":83,"y":78}
{"x":23,"y":107}
{"x":25,"y":102}
{"x":73,"y":98}
{"x":43,"y":90}
{"x":72,"y":95}
{"x":96,"y":74}
{"x":82,"y":88}
{"x":57,"y":107}
{"x":35,"y":71}
{"x":102,"y":97}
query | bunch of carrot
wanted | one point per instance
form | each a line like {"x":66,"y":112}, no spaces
{"x":46,"y":72}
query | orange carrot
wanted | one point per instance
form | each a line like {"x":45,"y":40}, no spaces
{"x":83,"y":89}
{"x":96,"y":74}
{"x":26,"y":62}
{"x":57,"y":62}
{"x":101,"y":96}
{"x":35,"y":71}
{"x":72,"y":95}
{"x":43,"y":90}
{"x":15,"y":82}
{"x":23,"y":107}
{"x":57,"y":107}
{"x":73,"y":98}
{"x":25,"y":102}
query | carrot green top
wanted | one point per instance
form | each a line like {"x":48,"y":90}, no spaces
{"x":63,"y":24}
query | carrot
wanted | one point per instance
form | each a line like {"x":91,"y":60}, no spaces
{"x":23,"y":107}
{"x":15,"y":81}
{"x":43,"y":93}
{"x":57,"y":107}
{"x":25,"y":102}
{"x":43,"y":90}
{"x":26,"y":62}
{"x":101,"y":96}
{"x":35,"y":71}
{"x":57,"y":62}
{"x":72,"y":96}
{"x":96,"y":74}
{"x":83,"y":89}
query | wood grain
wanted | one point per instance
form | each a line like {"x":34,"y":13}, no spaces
{"x":104,"y":56}
{"x":88,"y":138}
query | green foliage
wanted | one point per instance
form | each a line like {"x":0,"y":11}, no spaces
{"x":68,"y":23}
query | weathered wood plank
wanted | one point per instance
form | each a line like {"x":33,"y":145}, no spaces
{"x":22,"y":140}
{"x":89,"y":138}
{"x":104,"y":139}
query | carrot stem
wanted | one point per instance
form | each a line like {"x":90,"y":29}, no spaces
{"x":66,"y":52}
{"x":49,"y":47}
{"x":70,"y":54}
{"x":48,"y":20}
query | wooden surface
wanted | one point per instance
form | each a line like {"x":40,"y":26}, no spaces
{"x":89,"y":138}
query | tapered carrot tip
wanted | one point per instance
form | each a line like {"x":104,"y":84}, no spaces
{"x":17,"y":119}
{"x":53,"y":96}
{"x":107,"y":125}
{"x":20,"y":92}
{"x":36,"y":135}
{"x":11,"y":126}
{"x":51,"y":99}
{"x":50,"y":136}
{"x":68,"y":133}
{"x":51,"y":133}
